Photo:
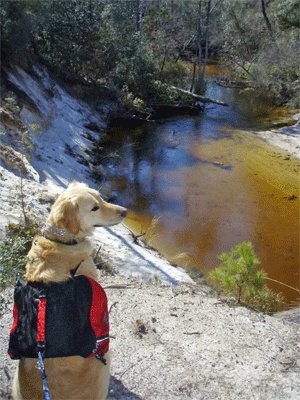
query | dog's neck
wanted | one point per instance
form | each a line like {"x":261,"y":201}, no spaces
{"x":57,"y":235}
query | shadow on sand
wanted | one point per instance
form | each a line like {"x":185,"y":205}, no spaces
{"x":118,"y":391}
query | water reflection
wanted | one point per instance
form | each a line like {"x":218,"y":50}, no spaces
{"x":211,"y":187}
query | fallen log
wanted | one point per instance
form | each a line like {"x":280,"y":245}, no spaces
{"x":169,"y":110}
{"x":200,"y":98}
{"x":155,"y":112}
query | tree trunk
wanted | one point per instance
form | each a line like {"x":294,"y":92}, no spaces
{"x":267,"y":21}
{"x":163,"y":62}
{"x":201,"y":73}
{"x":139,"y":18}
{"x":193,"y":79}
{"x":198,"y":34}
{"x":199,"y":43}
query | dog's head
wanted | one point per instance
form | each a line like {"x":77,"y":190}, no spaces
{"x":79,"y":210}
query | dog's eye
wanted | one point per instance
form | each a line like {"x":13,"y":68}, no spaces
{"x":95,"y":208}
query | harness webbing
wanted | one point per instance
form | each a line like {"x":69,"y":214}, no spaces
{"x":41,"y":339}
{"x":41,"y":319}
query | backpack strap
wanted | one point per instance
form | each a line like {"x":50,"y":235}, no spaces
{"x":41,"y":338}
{"x":41,"y":322}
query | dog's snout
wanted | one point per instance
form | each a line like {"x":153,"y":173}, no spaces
{"x":124,"y":213}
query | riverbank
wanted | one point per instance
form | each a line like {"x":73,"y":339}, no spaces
{"x":287,"y":138}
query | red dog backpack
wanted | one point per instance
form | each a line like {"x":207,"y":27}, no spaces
{"x":59,"y":319}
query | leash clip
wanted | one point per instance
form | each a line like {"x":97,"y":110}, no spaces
{"x":44,"y":377}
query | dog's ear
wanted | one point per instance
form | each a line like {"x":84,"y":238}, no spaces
{"x":65,"y":215}
{"x":73,"y":184}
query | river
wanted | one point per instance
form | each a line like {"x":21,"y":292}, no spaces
{"x":200,"y":185}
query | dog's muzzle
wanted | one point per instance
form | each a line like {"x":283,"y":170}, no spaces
{"x":123,"y":214}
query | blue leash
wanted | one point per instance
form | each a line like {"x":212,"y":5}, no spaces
{"x":44,"y":378}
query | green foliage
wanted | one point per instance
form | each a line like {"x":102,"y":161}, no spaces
{"x":157,"y":281}
{"x":137,"y":72}
{"x":238,"y":270}
{"x":239,"y":277}
{"x":265,"y":300}
{"x":166,"y":94}
{"x":12,"y":105}
{"x":102,"y":265}
{"x":277,"y":70}
{"x":287,"y":12}
{"x":68,"y":35}
{"x":240,"y":30}
{"x":13,"y":252}
{"x":132,"y":103}
{"x":269,"y":59}
{"x":174,"y":73}
{"x":130,"y":43}
{"x":17,"y":25}
{"x":13,"y":255}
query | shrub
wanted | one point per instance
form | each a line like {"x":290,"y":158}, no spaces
{"x":277,"y":71}
{"x":13,"y":252}
{"x":131,"y":102}
{"x":13,"y":255}
{"x":239,"y":277}
{"x":137,"y":72}
{"x":12,"y":105}
{"x":265,"y":300}
{"x":167,"y":94}
{"x":174,"y":73}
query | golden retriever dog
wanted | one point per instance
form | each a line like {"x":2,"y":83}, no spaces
{"x":73,"y":217}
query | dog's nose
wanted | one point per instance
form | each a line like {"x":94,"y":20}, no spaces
{"x":124,"y":213}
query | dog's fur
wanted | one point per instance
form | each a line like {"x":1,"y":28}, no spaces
{"x":77,"y":211}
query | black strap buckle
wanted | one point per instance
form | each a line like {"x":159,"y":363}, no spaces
{"x":42,"y":294}
{"x":99,"y":354}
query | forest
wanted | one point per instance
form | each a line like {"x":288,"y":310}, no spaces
{"x":142,"y":47}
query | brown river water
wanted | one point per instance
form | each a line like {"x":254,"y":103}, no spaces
{"x":200,"y":185}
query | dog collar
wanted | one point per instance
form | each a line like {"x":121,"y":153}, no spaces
{"x":58,"y":232}
{"x":70,"y":243}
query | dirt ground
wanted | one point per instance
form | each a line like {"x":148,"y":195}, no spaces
{"x":182,"y":342}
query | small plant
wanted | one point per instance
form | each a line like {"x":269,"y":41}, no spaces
{"x":239,"y":277}
{"x":13,"y":252}
{"x":157,"y":280}
{"x":28,"y":139}
{"x":1,"y":175}
{"x":12,"y":105}
{"x":101,"y":264}
{"x":13,"y":256}
{"x":27,"y":148}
